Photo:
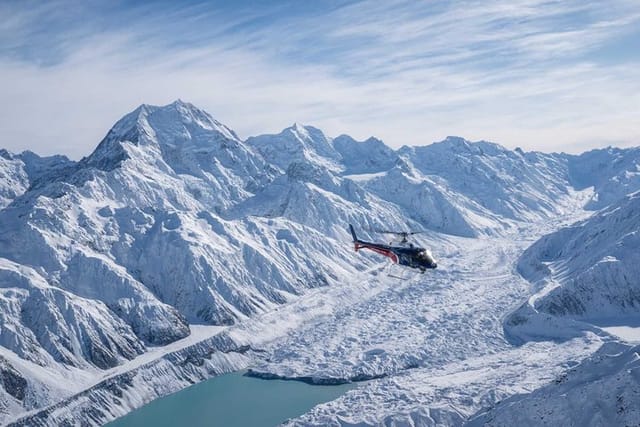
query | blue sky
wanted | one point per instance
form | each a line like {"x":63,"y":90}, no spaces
{"x":538,"y":74}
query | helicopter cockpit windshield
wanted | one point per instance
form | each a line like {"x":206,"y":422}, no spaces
{"x":426,"y":257}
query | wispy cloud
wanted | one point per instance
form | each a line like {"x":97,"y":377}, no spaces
{"x":527,"y":73}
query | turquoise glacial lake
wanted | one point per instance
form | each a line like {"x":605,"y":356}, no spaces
{"x":233,"y":400}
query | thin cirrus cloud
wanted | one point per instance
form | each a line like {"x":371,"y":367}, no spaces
{"x":542,"y":75}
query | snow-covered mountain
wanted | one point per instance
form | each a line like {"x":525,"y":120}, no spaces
{"x":589,"y":271}
{"x":124,"y":248}
{"x":297,"y":144}
{"x":612,"y":172}
{"x":173,"y":221}
{"x":361,"y":157}
{"x":455,"y":186}
{"x":469,"y":189}
{"x":104,"y":230}
{"x":586,"y":274}
{"x":20,"y":171}
{"x":601,"y":391}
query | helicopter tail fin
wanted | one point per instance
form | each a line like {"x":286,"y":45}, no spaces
{"x":355,"y":238}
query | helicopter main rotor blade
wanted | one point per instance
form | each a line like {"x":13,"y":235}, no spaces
{"x":377,"y":230}
{"x":399,"y":233}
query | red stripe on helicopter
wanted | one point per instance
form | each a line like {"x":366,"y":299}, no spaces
{"x":381,"y":251}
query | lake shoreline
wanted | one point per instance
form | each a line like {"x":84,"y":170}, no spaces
{"x":120,"y":394}
{"x":318,"y":381}
{"x":234,"y":399}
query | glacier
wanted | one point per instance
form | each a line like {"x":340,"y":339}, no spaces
{"x":177,"y":251}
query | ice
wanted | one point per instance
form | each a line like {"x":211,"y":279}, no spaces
{"x":630,"y":334}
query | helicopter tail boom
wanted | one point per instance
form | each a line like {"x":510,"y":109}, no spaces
{"x":381,"y":249}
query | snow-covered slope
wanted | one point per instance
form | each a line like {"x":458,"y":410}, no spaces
{"x":297,"y":144}
{"x":42,"y":322}
{"x":601,"y":391}
{"x":361,"y":157}
{"x":454,"y":186}
{"x":592,"y":268}
{"x":472,"y":188}
{"x":428,"y":200}
{"x":499,"y":182}
{"x":123,"y":249}
{"x":19,"y":171}
{"x":586,"y":274}
{"x":613,"y":172}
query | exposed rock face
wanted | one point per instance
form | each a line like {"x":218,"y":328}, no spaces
{"x":11,"y":380}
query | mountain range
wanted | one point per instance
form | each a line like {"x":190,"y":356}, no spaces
{"x":174,"y":222}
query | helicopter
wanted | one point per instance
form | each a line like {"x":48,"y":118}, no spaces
{"x":408,"y":255}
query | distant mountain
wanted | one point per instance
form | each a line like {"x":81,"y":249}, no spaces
{"x":361,"y":157}
{"x":312,"y":189}
{"x":613,"y":172}
{"x":18,"y":172}
{"x":473,"y":188}
{"x":455,"y":186}
{"x":297,"y":144}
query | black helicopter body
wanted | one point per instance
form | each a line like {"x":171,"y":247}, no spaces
{"x":409,"y":256}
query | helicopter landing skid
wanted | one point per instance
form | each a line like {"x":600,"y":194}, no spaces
{"x":403,"y":274}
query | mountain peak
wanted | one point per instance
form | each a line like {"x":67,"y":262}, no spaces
{"x":298,"y":142}
{"x":305,"y":132}
{"x":299,"y":130}
{"x":455,"y":139}
{"x":6,"y":154}
{"x":459,"y":144}
{"x":178,"y":117}
{"x":178,"y":124}
{"x":368,"y":156}
{"x":298,"y":127}
{"x":456,"y":142}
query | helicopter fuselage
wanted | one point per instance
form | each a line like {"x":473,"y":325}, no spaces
{"x":414,"y":257}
